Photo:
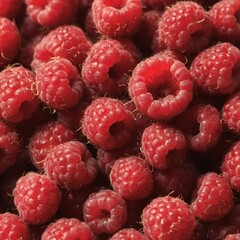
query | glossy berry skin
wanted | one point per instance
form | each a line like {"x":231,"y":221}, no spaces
{"x":161,"y":87}
{"x":12,"y":227}
{"x":131,"y":177}
{"x":116,"y":18}
{"x":163,"y":146}
{"x":68,"y":228}
{"x":71,"y":165}
{"x":212,"y":198}
{"x":216,"y":69}
{"x":36,"y":198}
{"x":168,"y":218}
{"x":105,"y":212}
{"x":128,"y":234}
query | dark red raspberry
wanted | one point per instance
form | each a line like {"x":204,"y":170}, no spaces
{"x":233,"y":237}
{"x":67,"y":228}
{"x":230,"y":166}
{"x":36,"y":197}
{"x":10,"y":41}
{"x":107,"y":67}
{"x":128,"y":234}
{"x":231,"y":113}
{"x":105,"y":212}
{"x":161,"y":87}
{"x":12,"y":227}
{"x":216,"y":69}
{"x":10,"y":8}
{"x":59,"y":84}
{"x":185,"y":26}
{"x":131,"y":177}
{"x":71,"y":165}
{"x":168,"y":218}
{"x":212,"y":198}
{"x":107,"y":123}
{"x":202,"y":127}
{"x":158,"y":4}
{"x":116,"y":18}
{"x":52,"y":12}
{"x":9,"y":146}
{"x":225,"y":19}
{"x":46,"y":137}
{"x":66,"y":41}
{"x":163,"y":146}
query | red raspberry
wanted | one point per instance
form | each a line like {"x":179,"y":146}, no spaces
{"x":10,"y":8}
{"x":158,"y":4}
{"x":212,"y":198}
{"x":107,"y":123}
{"x":12,"y":227}
{"x":163,"y":146}
{"x":131,"y":177}
{"x":52,"y":12}
{"x":10,"y":41}
{"x":105,"y":212}
{"x":203,"y":127}
{"x":66,"y":41}
{"x":128,"y":234}
{"x":190,"y":31}
{"x":17,"y":94}
{"x":59,"y":84}
{"x":231,"y":113}
{"x":107,"y":67}
{"x":36,"y":198}
{"x":67,"y":228}
{"x":46,"y":137}
{"x":168,"y":218}
{"x":233,"y":237}
{"x":71,"y":165}
{"x":216,"y":69}
{"x":224,"y":15}
{"x":116,"y":18}
{"x":9,"y":146}
{"x":230,"y":166}
{"x":161,"y":87}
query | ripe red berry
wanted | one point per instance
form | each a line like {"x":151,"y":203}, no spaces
{"x":10,"y":8}
{"x":233,"y":237}
{"x":128,"y":234}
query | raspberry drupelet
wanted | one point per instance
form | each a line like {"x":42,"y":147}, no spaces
{"x":161,"y":87}
{"x":116,"y":18}
{"x":36,"y":198}
{"x":216,"y":69}
{"x":163,"y":146}
{"x":107,"y":123}
{"x":105,"y":212}
{"x":10,"y":8}
{"x":128,"y":234}
{"x":235,"y":236}
{"x":168,"y":218}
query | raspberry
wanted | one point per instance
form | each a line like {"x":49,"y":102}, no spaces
{"x":107,"y":123}
{"x":161,"y":87}
{"x":225,"y":20}
{"x":168,"y":218}
{"x":190,"y":31}
{"x":230,"y":166}
{"x":131,"y":177}
{"x":107,"y":67}
{"x":212,"y":198}
{"x":128,"y":234}
{"x":233,"y":237}
{"x":231,"y":113}
{"x":68,"y":228}
{"x":163,"y":146}
{"x":12,"y":227}
{"x":36,"y":198}
{"x":71,"y":165}
{"x":52,"y":12}
{"x":10,"y":41}
{"x":17,"y":94}
{"x":216,"y":69}
{"x":203,"y":127}
{"x":10,"y":8}
{"x":66,"y":41}
{"x":116,"y":18}
{"x":105,"y":211}
{"x":9,"y":146}
{"x":58,"y":84}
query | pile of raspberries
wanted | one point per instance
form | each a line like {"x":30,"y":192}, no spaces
{"x":119,"y":120}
